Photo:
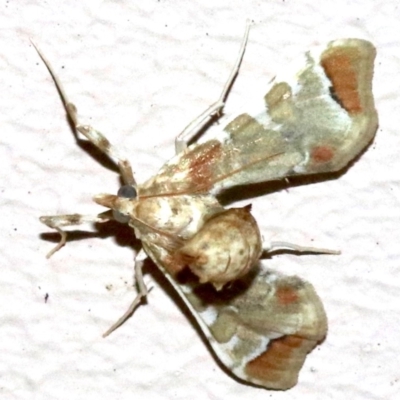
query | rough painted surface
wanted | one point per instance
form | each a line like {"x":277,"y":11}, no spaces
{"x":140,"y":72}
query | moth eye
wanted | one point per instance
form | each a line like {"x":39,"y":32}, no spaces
{"x":127,"y":191}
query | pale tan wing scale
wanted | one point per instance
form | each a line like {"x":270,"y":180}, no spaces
{"x":314,"y":121}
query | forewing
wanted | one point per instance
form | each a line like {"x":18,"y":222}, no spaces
{"x":315,"y":121}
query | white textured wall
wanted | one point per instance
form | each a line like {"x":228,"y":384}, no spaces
{"x":140,"y":71}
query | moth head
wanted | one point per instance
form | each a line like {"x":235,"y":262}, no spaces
{"x":123,"y":204}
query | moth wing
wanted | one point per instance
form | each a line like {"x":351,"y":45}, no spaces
{"x":261,"y":328}
{"x":314,"y":121}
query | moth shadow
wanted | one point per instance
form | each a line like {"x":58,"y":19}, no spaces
{"x":123,"y":234}
{"x":243,"y":192}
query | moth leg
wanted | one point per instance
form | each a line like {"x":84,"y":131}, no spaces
{"x":58,"y":221}
{"x":142,"y":292}
{"x":95,"y":137}
{"x":301,"y":249}
{"x":182,"y":140}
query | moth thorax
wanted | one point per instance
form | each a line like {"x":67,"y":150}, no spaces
{"x":225,"y":248}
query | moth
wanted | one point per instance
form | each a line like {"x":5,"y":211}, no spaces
{"x":260,"y":324}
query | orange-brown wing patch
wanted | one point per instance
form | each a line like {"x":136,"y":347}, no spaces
{"x":341,"y":67}
{"x":278,"y":366}
{"x":201,"y":162}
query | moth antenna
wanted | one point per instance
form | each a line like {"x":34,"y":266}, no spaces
{"x":70,"y":107}
{"x":235,"y":69}
{"x":95,"y":137}
{"x":191,"y":130}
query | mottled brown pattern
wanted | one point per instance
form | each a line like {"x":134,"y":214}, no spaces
{"x":202,"y":162}
{"x":74,"y":219}
{"x":173,"y":265}
{"x":340,"y":68}
{"x":322,"y":154}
